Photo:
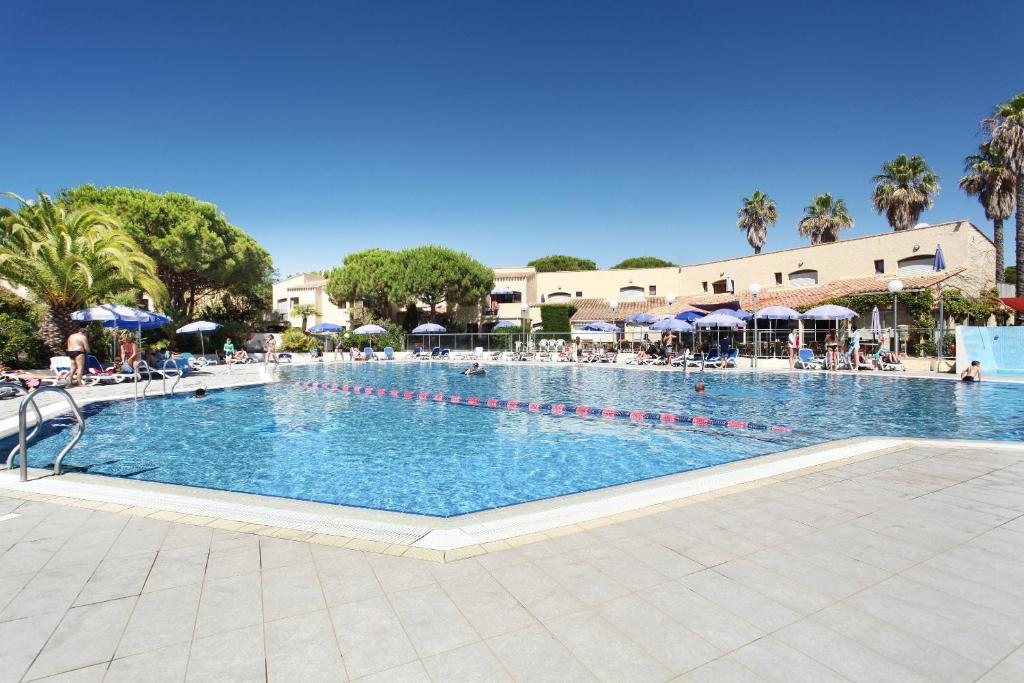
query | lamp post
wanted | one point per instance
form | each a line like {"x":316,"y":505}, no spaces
{"x":754,"y":290}
{"x":524,"y":309}
{"x":895,"y":286}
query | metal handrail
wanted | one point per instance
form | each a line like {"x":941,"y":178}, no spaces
{"x":138,"y":377}
{"x":30,"y":399}
{"x":163,"y":375}
{"x":39,"y":419}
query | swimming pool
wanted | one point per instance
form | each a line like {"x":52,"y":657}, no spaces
{"x":440,"y":459}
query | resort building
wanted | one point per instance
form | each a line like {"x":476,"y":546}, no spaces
{"x":797,"y":277}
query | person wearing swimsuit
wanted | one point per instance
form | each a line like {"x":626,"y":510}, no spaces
{"x":972,"y":373}
{"x":129,"y":353}
{"x":78,"y":347}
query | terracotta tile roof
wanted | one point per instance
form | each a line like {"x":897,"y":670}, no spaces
{"x":589,"y":310}
{"x":802,"y":297}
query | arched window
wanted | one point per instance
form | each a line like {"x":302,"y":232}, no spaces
{"x":631,"y":294}
{"x":556,"y":297}
{"x":916,"y":265}
{"x":803,"y":278}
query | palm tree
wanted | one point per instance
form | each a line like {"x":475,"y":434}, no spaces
{"x":70,"y":259}
{"x":758,"y":212}
{"x":990,"y":179}
{"x":904,"y":189}
{"x":1007,"y":128}
{"x":823,"y":219}
{"x":304,"y":311}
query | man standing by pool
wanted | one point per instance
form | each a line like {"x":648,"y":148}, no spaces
{"x":78,"y":347}
{"x":854,"y":347}
{"x":793,"y":342}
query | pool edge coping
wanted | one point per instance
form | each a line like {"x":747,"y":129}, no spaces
{"x":452,"y":538}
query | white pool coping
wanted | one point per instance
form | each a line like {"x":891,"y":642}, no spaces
{"x":443,"y":535}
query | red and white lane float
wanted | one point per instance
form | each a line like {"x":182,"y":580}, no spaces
{"x":556,"y":409}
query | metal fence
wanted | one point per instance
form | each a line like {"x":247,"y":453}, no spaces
{"x":770,"y":343}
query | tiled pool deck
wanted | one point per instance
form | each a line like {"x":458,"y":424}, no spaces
{"x":907,"y":566}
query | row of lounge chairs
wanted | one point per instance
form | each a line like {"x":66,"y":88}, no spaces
{"x":806,"y":360}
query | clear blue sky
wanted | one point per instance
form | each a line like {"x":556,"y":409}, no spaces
{"x":509,"y":130}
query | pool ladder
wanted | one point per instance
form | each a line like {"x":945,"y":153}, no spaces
{"x":24,"y":437}
{"x":165,"y":368}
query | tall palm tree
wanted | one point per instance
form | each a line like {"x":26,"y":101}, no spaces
{"x":904,"y":188}
{"x":758,"y":212}
{"x":1007,"y":128}
{"x":823,"y":218}
{"x":990,"y":179}
{"x":70,"y":259}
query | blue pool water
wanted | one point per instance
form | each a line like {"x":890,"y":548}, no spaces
{"x":443,"y":460}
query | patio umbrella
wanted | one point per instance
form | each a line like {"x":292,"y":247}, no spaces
{"x":876,"y":323}
{"x":741,"y":314}
{"x":430,"y":328}
{"x":369,"y":329}
{"x":777,"y":313}
{"x":690,"y":316}
{"x":326,"y":328}
{"x":199,"y":327}
{"x":829,"y":312}
{"x":505,"y":323}
{"x":672,"y":325}
{"x":719,"y":320}
{"x":601,"y":326}
{"x":501,"y":290}
{"x":641,"y":319}
{"x":123,"y":317}
{"x":940,"y":259}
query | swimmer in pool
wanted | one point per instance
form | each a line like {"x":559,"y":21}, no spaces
{"x":972,"y":373}
{"x":200,"y":393}
{"x":475,"y":370}
{"x":699,"y":387}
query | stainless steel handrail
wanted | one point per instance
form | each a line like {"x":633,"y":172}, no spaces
{"x":39,"y":419}
{"x":163,"y":374}
{"x":138,"y":377}
{"x":30,"y":399}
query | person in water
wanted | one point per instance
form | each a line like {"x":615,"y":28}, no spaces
{"x":200,"y":393}
{"x":475,"y":370}
{"x":972,"y":373}
{"x":699,"y":387}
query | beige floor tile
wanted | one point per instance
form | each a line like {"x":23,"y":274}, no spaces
{"x":229,"y":604}
{"x":87,"y":635}
{"x":534,"y":654}
{"x":371,"y":637}
{"x":431,"y":620}
{"x":161,"y":618}
{"x":303,"y":649}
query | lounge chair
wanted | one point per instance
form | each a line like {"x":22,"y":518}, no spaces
{"x":389,"y":353}
{"x":898,"y":366}
{"x":730,"y":358}
{"x":712,"y":359}
{"x":368,"y":354}
{"x":806,"y":360}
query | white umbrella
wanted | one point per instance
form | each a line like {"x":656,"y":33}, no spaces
{"x":199,"y":327}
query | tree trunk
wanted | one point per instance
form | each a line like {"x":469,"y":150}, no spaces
{"x":1020,"y":235}
{"x":997,"y":237}
{"x":55,"y":328}
{"x":757,"y":250}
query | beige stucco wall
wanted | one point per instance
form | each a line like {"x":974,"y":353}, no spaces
{"x":307,"y":288}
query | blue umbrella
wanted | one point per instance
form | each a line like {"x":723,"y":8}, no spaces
{"x":672,"y":325}
{"x":326,"y":328}
{"x":740,"y":315}
{"x":429,"y":328}
{"x":778,"y":313}
{"x":601,"y":326}
{"x":719,"y":320}
{"x":829,"y":312}
{"x":505,"y":323}
{"x":119,"y":315}
{"x":199,"y":326}
{"x":690,"y":316}
{"x":369,"y":329}
{"x":940,"y":259}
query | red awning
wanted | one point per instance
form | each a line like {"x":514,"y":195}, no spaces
{"x":1016,"y":303}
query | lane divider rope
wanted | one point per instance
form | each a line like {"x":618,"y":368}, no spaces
{"x":556,"y":409}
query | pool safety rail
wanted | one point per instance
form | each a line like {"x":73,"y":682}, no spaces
{"x":25,"y":437}
{"x":554,"y":409}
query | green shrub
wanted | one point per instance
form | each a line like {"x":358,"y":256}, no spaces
{"x":554,"y":320}
{"x":294,"y":339}
{"x":20,"y":344}
{"x":505,"y":338}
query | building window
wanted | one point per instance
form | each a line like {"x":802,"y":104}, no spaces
{"x":556,"y":297}
{"x":631,"y":293}
{"x":778,"y":278}
{"x":725,"y":286}
{"x":344,"y":304}
{"x":579,"y":295}
{"x":705,"y":285}
{"x":652,"y":290}
{"x":507,"y":297}
{"x":879,"y":266}
{"x":803,"y":278}
{"x":294,"y":302}
{"x":916,"y":265}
